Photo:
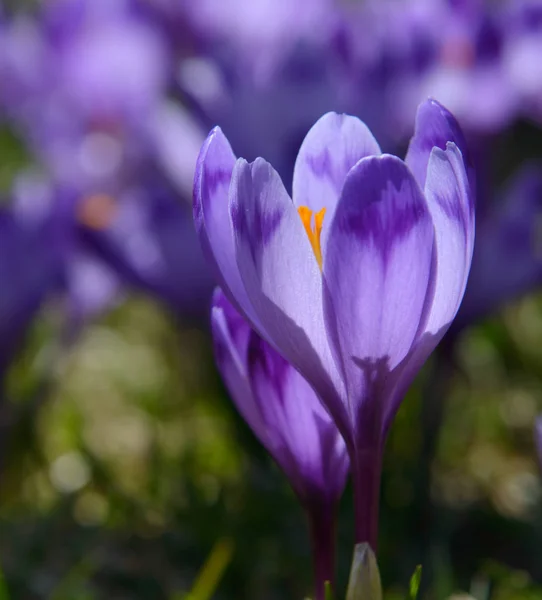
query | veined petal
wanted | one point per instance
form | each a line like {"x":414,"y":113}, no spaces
{"x":211,"y":216}
{"x":280,"y":406}
{"x":435,"y":126}
{"x":452,"y":210}
{"x":303,"y":438}
{"x":280,"y":273}
{"x":231,"y":336}
{"x":377,"y":271}
{"x":334,"y":144}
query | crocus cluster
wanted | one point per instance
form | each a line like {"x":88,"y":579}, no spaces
{"x":85,"y":83}
{"x":353,"y":281}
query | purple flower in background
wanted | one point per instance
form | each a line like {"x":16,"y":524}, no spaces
{"x":357,"y":279}
{"x":83,"y":81}
{"x":467,"y":73}
{"x":289,"y":420}
{"x":90,"y":285}
{"x":149,"y":242}
{"x":507,"y":260}
{"x":521,"y":55}
{"x":31,"y":267}
{"x":258,"y":34}
{"x":538,"y":439}
{"x":86,"y":83}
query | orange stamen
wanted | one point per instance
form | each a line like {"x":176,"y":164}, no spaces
{"x":313,"y":233}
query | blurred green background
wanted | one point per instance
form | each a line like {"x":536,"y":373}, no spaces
{"x":127,"y":468}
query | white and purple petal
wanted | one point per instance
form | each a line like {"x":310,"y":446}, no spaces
{"x":280,"y":407}
{"x":280,"y":273}
{"x":377,"y":273}
{"x":452,"y":211}
{"x":451,"y":206}
{"x":231,"y":335}
{"x":435,"y":126}
{"x":212,"y":181}
{"x":303,"y":438}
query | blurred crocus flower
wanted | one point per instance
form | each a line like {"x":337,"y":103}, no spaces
{"x":31,"y":267}
{"x":82,"y":82}
{"x":90,"y":286}
{"x":258,"y":34}
{"x":521,"y":55}
{"x":287,"y":417}
{"x":538,"y":439}
{"x":85,"y":81}
{"x":149,"y":243}
{"x":357,"y":279}
{"x":467,"y":71}
{"x":507,"y":260}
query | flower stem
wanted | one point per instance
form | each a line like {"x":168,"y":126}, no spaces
{"x":366,"y":475}
{"x":322,"y":531}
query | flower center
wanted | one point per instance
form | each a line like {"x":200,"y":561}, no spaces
{"x":313,"y":232}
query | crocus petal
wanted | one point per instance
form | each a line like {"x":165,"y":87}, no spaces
{"x":303,"y":437}
{"x":231,"y":335}
{"x":377,"y":270}
{"x":280,"y":406}
{"x":452,"y":210}
{"x":211,"y":184}
{"x":434,"y":127}
{"x":280,"y":272}
{"x":334,"y":144}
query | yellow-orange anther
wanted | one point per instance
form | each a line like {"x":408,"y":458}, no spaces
{"x":313,"y":233}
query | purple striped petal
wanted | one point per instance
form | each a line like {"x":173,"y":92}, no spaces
{"x":452,"y":210}
{"x":280,"y":272}
{"x":377,"y":271}
{"x":280,"y":407}
{"x":211,"y":216}
{"x":303,"y":438}
{"x":334,"y":144}
{"x":231,"y":335}
{"x":435,"y":126}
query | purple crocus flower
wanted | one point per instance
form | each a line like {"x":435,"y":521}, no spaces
{"x":354,"y":280}
{"x":285,"y":414}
